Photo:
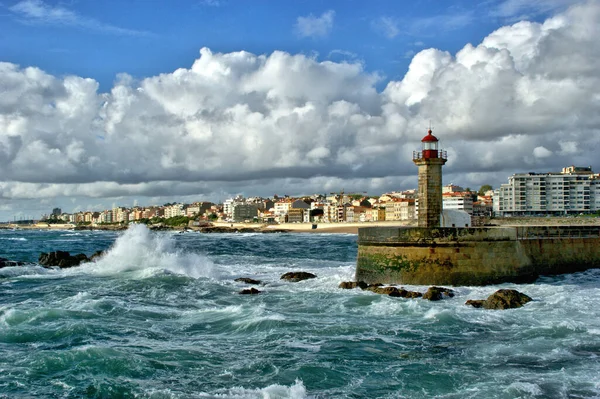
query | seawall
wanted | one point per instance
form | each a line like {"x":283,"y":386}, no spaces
{"x":474,"y":256}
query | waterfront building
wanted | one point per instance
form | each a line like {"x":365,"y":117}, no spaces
{"x":296,"y":215}
{"x":462,"y":201}
{"x":400,"y":209}
{"x":245,"y":212}
{"x":574,"y":190}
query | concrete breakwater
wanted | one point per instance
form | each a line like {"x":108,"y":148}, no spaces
{"x":474,"y":256}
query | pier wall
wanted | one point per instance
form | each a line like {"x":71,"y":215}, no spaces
{"x":473,"y":256}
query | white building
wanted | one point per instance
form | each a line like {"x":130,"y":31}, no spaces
{"x":459,"y":201}
{"x":574,"y":190}
{"x":174,"y":210}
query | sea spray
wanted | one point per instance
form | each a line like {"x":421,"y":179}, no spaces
{"x":140,"y":250}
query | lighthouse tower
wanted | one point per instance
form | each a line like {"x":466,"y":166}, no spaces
{"x":430,"y":160}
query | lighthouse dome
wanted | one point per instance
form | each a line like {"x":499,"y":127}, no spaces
{"x":429,"y":138}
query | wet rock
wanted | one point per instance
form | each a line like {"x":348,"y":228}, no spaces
{"x":61,"y":259}
{"x":506,"y":299}
{"x":408,"y":294}
{"x":11,"y":263}
{"x":250,"y":291}
{"x":476,"y":303}
{"x":247,"y":280}
{"x":96,"y":256}
{"x":393,"y":291}
{"x":371,"y":286}
{"x":297,"y":276}
{"x":438,"y":293}
{"x":348,"y":285}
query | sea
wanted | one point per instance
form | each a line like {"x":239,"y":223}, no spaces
{"x":160,"y":316}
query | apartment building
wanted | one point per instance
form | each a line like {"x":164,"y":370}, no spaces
{"x":243,"y":212}
{"x":400,"y":209}
{"x":572,"y":191}
{"x":462,"y":201}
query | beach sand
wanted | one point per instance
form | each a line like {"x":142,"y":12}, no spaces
{"x":338,"y":228}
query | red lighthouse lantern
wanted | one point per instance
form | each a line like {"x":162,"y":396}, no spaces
{"x":429,"y":146}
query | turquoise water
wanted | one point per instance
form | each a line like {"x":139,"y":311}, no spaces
{"x":159,"y":317}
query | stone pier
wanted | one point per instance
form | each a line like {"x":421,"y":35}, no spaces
{"x":473,"y":256}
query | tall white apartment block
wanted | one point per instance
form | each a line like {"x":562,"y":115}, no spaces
{"x":572,"y":191}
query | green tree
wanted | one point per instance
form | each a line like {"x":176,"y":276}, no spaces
{"x":484,"y":189}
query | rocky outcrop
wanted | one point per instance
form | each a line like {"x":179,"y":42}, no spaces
{"x":297,"y":276}
{"x":61,"y":259}
{"x":438,"y":293}
{"x":348,"y":285}
{"x":248,"y":280}
{"x":250,"y":291}
{"x":501,"y":299}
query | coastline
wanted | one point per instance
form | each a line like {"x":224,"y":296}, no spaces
{"x":321,"y":228}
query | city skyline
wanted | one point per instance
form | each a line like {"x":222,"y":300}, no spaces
{"x":111,"y":104}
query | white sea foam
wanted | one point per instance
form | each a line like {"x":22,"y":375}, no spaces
{"x":140,"y":250}
{"x":14,"y":238}
{"x":275,"y":391}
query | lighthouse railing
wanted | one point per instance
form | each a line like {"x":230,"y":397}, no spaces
{"x":440,"y":154}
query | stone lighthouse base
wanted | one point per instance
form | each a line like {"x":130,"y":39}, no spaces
{"x":473,"y":256}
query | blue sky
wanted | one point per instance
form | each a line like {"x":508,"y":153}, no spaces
{"x":116,"y":103}
{"x":144,"y":38}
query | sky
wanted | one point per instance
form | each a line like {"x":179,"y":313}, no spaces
{"x":118,"y":103}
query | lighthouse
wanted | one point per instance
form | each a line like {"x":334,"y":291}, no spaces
{"x":430,"y":161}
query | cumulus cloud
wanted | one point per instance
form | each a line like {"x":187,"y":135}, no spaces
{"x":525,"y":98}
{"x":312,"y":26}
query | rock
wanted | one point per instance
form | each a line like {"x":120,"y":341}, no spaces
{"x":506,"y":299}
{"x":61,"y":259}
{"x":438,"y":293}
{"x":247,"y":280}
{"x":96,"y":255}
{"x":393,"y":291}
{"x":409,"y":294}
{"x":476,"y":303}
{"x":250,"y":291}
{"x":348,"y":285}
{"x":371,"y":286}
{"x":11,"y":263}
{"x":297,"y":276}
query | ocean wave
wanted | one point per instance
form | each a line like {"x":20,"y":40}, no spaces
{"x":147,"y":253}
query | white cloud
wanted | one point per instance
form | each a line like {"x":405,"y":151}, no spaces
{"x":315,"y":27}
{"x":541,"y":152}
{"x":290,"y":124}
{"x":39,"y":12}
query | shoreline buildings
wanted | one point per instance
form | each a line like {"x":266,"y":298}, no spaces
{"x":574,"y":190}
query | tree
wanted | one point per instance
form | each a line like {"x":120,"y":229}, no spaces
{"x":485,"y":188}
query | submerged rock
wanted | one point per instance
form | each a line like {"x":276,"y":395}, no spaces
{"x":438,"y":293}
{"x":348,"y":285}
{"x":393,"y":291}
{"x":476,"y":303}
{"x":250,"y":291}
{"x":247,"y":280}
{"x":297,"y":276}
{"x":11,"y":263}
